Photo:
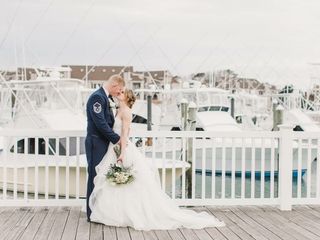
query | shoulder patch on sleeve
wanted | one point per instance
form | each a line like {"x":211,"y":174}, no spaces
{"x":97,"y":107}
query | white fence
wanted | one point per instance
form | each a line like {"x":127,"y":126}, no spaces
{"x":196,"y":168}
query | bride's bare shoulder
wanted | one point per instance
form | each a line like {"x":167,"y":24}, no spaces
{"x":126,"y":114}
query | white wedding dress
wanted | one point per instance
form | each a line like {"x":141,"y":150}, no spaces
{"x":140,"y":204}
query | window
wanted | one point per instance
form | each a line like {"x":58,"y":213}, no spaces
{"x":139,"y":119}
{"x":203,"y":109}
{"x":51,"y":146}
{"x":136,"y":85}
{"x":239,"y":119}
{"x":214,"y":108}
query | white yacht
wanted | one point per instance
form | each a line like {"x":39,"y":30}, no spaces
{"x":213,"y":107}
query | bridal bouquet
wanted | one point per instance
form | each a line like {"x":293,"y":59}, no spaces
{"x":117,"y":173}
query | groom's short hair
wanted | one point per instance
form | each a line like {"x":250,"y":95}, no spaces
{"x":117,"y":79}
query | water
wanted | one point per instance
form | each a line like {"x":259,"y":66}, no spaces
{"x":247,"y":191}
{"x":257,"y":191}
{"x":247,"y":186}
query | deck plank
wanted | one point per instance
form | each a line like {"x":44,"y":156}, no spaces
{"x":176,"y":235}
{"x":189,"y":234}
{"x":83,"y":230}
{"x":20,"y":226}
{"x":12,"y":221}
{"x":303,"y":221}
{"x":5,"y":214}
{"x":59,"y":223}
{"x":257,"y":230}
{"x":202,"y":234}
{"x":245,"y":222}
{"x":70,"y":230}
{"x":109,"y":233}
{"x":96,"y":231}
{"x":46,"y":225}
{"x":268,"y":223}
{"x":149,"y":235}
{"x":215,"y":234}
{"x":123,"y":233}
{"x":241,"y":228}
{"x":310,"y":211}
{"x":31,"y":229}
{"x":275,"y":221}
{"x":163,"y":235}
{"x":208,"y":233}
{"x":296,"y":229}
{"x":135,"y":234}
{"x":227,"y":231}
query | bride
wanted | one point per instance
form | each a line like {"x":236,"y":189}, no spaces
{"x":140,"y":204}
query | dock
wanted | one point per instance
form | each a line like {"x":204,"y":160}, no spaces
{"x":245,"y":222}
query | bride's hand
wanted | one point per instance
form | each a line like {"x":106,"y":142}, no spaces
{"x":120,"y":158}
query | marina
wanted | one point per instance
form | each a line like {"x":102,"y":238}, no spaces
{"x":213,"y":143}
{"x":213,"y":149}
{"x":224,"y":106}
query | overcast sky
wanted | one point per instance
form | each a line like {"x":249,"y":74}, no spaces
{"x":273,"y":41}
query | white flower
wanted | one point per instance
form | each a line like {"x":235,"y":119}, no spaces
{"x":113,"y":105}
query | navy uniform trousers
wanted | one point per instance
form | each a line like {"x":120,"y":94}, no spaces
{"x":95,"y":150}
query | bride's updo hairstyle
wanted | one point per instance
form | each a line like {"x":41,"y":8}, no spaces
{"x":130,"y":97}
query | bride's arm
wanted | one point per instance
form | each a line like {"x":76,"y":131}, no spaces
{"x":125,"y":126}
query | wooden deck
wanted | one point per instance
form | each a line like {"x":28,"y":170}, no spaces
{"x":242,"y":223}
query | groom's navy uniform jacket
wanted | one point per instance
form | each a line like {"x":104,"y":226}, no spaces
{"x":99,"y":134}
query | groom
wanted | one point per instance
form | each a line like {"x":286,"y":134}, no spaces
{"x":100,"y":120}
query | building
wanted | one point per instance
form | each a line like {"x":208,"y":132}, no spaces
{"x":20,"y":74}
{"x":314,"y":95}
{"x":229,"y":80}
{"x":96,"y":75}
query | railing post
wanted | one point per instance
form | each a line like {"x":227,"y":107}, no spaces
{"x":4,"y":168}
{"x":192,"y":115}
{"x":285,"y":167}
{"x":184,"y":114}
{"x":149,"y":118}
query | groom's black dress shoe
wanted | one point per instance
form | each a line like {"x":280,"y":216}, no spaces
{"x":88,"y":220}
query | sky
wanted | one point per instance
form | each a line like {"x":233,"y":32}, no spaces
{"x":273,"y":41}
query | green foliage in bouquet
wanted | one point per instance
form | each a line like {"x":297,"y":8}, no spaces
{"x":118,"y":174}
{"x":117,"y":150}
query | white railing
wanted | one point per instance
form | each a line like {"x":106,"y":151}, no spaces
{"x":196,"y":168}
{"x":42,"y":167}
{"x":295,"y":101}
